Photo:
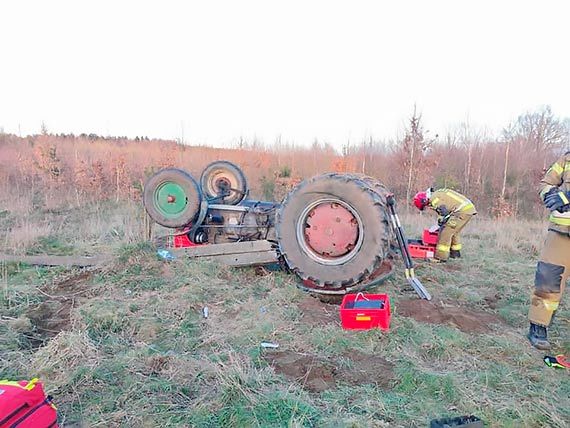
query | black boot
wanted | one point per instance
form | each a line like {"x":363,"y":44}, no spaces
{"x":455,"y":254}
{"x":537,"y":335}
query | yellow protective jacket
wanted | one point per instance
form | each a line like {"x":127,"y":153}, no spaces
{"x":558,"y":176}
{"x":448,"y":202}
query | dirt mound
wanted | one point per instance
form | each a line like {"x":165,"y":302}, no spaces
{"x":316,"y":312}
{"x":317,"y":375}
{"x":466,"y":320}
{"x":366,"y":369}
{"x":492,"y":301}
{"x":312,"y":374}
{"x":54,"y":313}
{"x":72,"y":284}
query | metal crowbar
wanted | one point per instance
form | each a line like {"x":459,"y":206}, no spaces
{"x":403,"y":243}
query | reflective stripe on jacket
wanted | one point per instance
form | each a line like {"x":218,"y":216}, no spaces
{"x":558,"y":176}
{"x":451,"y":201}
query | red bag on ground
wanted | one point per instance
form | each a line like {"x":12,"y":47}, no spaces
{"x":24,"y":404}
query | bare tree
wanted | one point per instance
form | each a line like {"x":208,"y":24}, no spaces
{"x":412,"y":151}
{"x":542,"y":132}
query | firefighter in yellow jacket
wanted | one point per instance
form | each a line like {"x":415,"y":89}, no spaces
{"x":553,"y":268}
{"x":454,"y":212}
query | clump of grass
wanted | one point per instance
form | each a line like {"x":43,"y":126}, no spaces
{"x":103,"y":317}
{"x":62,"y":355}
{"x":51,"y":245}
{"x":26,"y":235}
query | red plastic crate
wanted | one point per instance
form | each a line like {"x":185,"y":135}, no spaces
{"x":430,"y":238}
{"x":420,"y":251}
{"x":365,"y":318}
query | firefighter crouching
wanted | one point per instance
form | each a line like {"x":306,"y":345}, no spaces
{"x":454,"y":212}
{"x":553,"y":268}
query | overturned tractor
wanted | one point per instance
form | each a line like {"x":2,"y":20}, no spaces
{"x":334,"y":231}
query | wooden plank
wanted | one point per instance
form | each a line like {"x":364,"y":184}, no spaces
{"x":246,"y":259}
{"x":44,"y":260}
{"x":224,"y":249}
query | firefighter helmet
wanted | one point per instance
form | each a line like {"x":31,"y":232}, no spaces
{"x":421,"y":200}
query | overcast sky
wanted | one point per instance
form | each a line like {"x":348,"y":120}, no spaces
{"x":330,"y":70}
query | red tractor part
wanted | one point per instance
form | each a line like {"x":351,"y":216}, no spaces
{"x":331,"y":230}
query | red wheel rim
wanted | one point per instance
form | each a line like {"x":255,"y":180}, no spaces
{"x":331,"y":230}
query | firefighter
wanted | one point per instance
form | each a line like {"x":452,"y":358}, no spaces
{"x":553,"y":268}
{"x":454,"y":212}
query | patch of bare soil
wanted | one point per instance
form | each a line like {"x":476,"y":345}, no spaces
{"x":317,"y":375}
{"x":466,"y":320}
{"x":366,"y":369}
{"x":54,"y":313}
{"x":316,"y":312}
{"x":72,"y":284}
{"x":166,"y":270}
{"x":312,"y":374}
{"x":156,"y":364}
{"x":493,"y":301}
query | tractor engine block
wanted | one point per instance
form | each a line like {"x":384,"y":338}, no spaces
{"x":249,"y":221}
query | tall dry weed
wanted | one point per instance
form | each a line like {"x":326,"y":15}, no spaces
{"x":25,"y":234}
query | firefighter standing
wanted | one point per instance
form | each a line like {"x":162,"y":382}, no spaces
{"x":553,"y":268}
{"x":454,"y":212}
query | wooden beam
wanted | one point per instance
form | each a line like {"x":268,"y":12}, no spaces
{"x":247,"y":259}
{"x":224,"y":249}
{"x":44,"y":260}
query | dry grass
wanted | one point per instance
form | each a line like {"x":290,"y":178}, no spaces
{"x":25,"y":234}
{"x":63,"y":354}
{"x":137,"y":351}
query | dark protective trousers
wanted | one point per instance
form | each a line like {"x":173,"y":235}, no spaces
{"x":552,"y":273}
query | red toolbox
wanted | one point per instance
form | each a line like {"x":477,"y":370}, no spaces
{"x":365,"y":311}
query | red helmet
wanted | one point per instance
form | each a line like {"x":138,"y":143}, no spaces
{"x":421,"y":200}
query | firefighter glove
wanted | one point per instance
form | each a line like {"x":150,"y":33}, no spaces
{"x":442,"y":211}
{"x":558,"y":201}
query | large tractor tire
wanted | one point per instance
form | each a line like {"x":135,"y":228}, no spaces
{"x":383,"y":192}
{"x":333,"y":232}
{"x":172,"y":198}
{"x":224,"y":183}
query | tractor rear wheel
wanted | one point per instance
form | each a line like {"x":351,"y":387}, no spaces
{"x":223,"y":182}
{"x":172,"y":197}
{"x":333,"y":232}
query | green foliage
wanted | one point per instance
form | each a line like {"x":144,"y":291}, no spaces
{"x":447,"y":181}
{"x":104,"y":317}
{"x":51,"y":245}
{"x":285,"y":171}
{"x":267,"y":188}
{"x":134,"y":250}
{"x":273,"y":411}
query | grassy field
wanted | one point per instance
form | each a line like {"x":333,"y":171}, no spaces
{"x":126,"y":344}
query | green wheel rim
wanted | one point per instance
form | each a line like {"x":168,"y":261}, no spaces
{"x":170,"y":199}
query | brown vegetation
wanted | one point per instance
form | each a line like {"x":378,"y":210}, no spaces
{"x":499,"y":173}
